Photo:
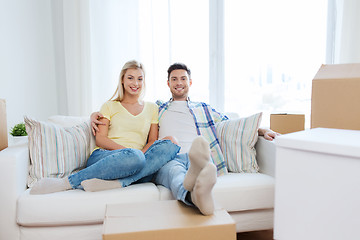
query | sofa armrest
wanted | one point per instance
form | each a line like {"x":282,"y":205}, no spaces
{"x":14,"y":165}
{"x":265,"y":156}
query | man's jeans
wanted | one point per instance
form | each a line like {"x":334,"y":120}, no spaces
{"x":172,"y":175}
{"x":128,"y":165}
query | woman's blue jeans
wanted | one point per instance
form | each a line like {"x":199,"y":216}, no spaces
{"x":128,"y":165}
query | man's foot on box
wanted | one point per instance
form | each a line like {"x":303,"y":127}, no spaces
{"x":199,"y":156}
{"x":201,"y":195}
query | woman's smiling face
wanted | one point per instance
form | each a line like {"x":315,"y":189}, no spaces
{"x":133,"y":81}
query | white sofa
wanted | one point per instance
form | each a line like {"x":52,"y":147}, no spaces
{"x":76,"y":214}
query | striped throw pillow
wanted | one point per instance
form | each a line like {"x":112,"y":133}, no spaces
{"x":237,"y":140}
{"x":56,"y":151}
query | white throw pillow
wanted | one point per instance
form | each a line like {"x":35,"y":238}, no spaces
{"x":237,"y":141}
{"x":56,"y":151}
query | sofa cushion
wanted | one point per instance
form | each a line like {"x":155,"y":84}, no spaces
{"x":77,"y":206}
{"x":244,"y":191}
{"x":237,"y":140}
{"x":239,"y":191}
{"x":56,"y":151}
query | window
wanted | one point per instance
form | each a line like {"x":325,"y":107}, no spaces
{"x":273,"y":50}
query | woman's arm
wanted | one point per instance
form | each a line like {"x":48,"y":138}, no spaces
{"x":94,"y":121}
{"x":102,"y":139}
{"x":153,"y":136}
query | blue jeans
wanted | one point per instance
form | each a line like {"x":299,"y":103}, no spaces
{"x":128,"y":165}
{"x":172,"y":175}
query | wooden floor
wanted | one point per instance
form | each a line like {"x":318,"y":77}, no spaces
{"x":257,"y":235}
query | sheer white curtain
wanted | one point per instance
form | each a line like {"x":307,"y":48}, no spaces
{"x":115,"y":37}
{"x":343,"y":31}
{"x":123,"y":31}
{"x":72,"y":56}
{"x":93,"y":39}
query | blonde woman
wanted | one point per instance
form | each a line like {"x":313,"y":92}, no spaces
{"x":127,"y":146}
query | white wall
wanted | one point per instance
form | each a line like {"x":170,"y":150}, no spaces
{"x":27,"y":74}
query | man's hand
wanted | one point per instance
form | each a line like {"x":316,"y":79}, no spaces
{"x":95,"y":122}
{"x":268,"y":134}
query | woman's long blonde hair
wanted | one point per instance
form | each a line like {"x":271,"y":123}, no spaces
{"x":119,"y":93}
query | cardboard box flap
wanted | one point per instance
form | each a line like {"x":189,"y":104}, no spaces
{"x":129,"y":224}
{"x":338,"y":71}
{"x":165,"y":220}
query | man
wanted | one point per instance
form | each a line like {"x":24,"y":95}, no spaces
{"x":191,"y":176}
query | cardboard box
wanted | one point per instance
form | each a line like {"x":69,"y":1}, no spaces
{"x":165,"y":220}
{"x":287,"y":123}
{"x":3,"y":125}
{"x":335,"y":100}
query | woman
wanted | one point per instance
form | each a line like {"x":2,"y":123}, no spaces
{"x":127,"y":146}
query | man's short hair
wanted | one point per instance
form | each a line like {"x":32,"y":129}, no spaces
{"x":177,"y":66}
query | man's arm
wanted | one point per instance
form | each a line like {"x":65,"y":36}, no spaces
{"x":267,"y":133}
{"x":217,"y":116}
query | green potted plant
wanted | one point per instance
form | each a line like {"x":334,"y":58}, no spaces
{"x":18,"y":133}
{"x":18,"y":130}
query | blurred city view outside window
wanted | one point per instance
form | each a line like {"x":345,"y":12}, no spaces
{"x":273,"y":49}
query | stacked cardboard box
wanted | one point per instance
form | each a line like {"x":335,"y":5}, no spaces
{"x":3,"y":125}
{"x":287,"y":123}
{"x":335,"y":101}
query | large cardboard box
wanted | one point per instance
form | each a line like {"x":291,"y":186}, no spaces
{"x":165,"y":220}
{"x":3,"y":125}
{"x":335,"y":101}
{"x":287,"y":123}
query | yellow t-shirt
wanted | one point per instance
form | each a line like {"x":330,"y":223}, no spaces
{"x":126,"y":129}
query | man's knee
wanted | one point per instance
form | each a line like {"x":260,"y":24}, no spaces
{"x":172,"y":139}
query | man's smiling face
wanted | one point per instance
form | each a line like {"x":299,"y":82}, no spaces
{"x":179,"y":83}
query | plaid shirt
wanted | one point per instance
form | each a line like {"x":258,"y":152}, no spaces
{"x":205,"y":119}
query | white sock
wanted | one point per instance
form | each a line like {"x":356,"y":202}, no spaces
{"x":50,"y":185}
{"x":199,"y":156}
{"x":95,"y":184}
{"x":201,"y":195}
